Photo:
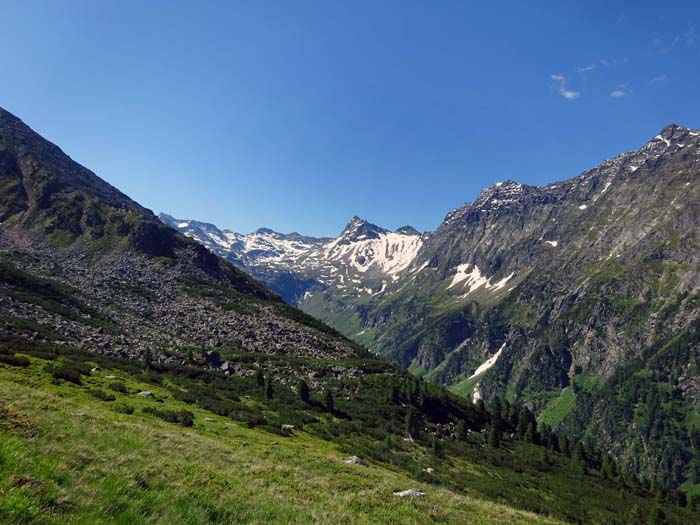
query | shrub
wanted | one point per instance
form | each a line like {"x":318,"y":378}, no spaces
{"x":14,"y":360}
{"x":66,"y":373}
{"x":185,"y":396}
{"x":182,"y":417}
{"x":118,"y":386}
{"x":121,"y":408}
{"x":102,"y":395}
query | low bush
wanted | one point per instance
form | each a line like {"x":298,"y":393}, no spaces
{"x":181,"y":417}
{"x":14,"y":360}
{"x":118,"y":386}
{"x":65,"y":373}
{"x":122,"y":408}
{"x":102,"y":395}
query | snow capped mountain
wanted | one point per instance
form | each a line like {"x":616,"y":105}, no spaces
{"x":363,"y":260}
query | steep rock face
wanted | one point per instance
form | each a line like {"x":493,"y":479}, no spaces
{"x":593,"y":286}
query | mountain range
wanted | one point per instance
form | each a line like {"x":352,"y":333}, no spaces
{"x":574,"y":298}
{"x":145,"y":377}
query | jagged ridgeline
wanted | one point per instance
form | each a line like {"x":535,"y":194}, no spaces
{"x":140,"y":339}
{"x":580,"y":299}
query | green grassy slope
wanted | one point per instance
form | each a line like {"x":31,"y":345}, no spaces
{"x":68,"y":457}
{"x":95,"y":452}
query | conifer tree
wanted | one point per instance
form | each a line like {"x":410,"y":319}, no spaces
{"x":411,"y":423}
{"x":496,"y":407}
{"x":330,"y":406}
{"x":461,"y":431}
{"x":437,"y":447}
{"x":268,"y":387}
{"x":303,"y":391}
{"x":494,"y":437}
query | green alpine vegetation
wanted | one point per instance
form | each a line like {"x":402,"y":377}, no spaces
{"x":89,"y":439}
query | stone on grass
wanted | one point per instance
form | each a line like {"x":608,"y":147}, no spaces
{"x":146,"y":393}
{"x":354,"y":460}
{"x":26,"y":481}
{"x":410,"y":493}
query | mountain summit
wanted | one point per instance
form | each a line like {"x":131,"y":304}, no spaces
{"x":358,"y":230}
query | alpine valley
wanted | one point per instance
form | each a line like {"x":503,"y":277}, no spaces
{"x":579,"y":299}
{"x":144,"y":379}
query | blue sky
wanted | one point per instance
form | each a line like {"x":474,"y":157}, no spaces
{"x":296,"y":115}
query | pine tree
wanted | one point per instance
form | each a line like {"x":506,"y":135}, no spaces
{"x":608,"y":469}
{"x":259,"y":377}
{"x":303,"y":391}
{"x":268,"y":387}
{"x":416,"y":397}
{"x":437,"y":447}
{"x":554,"y":442}
{"x":388,"y":444}
{"x":411,"y":423}
{"x":329,"y":400}
{"x":394,"y":398}
{"x":494,"y":437}
{"x":566,"y":446}
{"x":531,"y":433}
{"x":496,"y":407}
{"x":523,"y":422}
{"x":578,"y":456}
{"x":461,"y":431}
{"x":505,"y":411}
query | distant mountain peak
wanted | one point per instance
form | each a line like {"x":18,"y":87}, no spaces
{"x":675,"y":134}
{"x":359,"y":229}
{"x":407,"y":230}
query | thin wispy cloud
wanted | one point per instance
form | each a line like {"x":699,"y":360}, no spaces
{"x":562,"y":89}
{"x":586,"y":69}
{"x":620,"y":91}
{"x":608,"y":62}
{"x":659,"y":78}
{"x":691,"y":36}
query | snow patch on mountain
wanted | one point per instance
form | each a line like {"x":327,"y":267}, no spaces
{"x":359,"y":259}
{"x":474,"y":278}
{"x":483,"y":367}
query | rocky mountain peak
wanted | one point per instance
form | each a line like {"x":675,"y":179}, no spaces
{"x":407,"y":230}
{"x":359,"y":229}
{"x":498,"y":196}
{"x":675,"y":135}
